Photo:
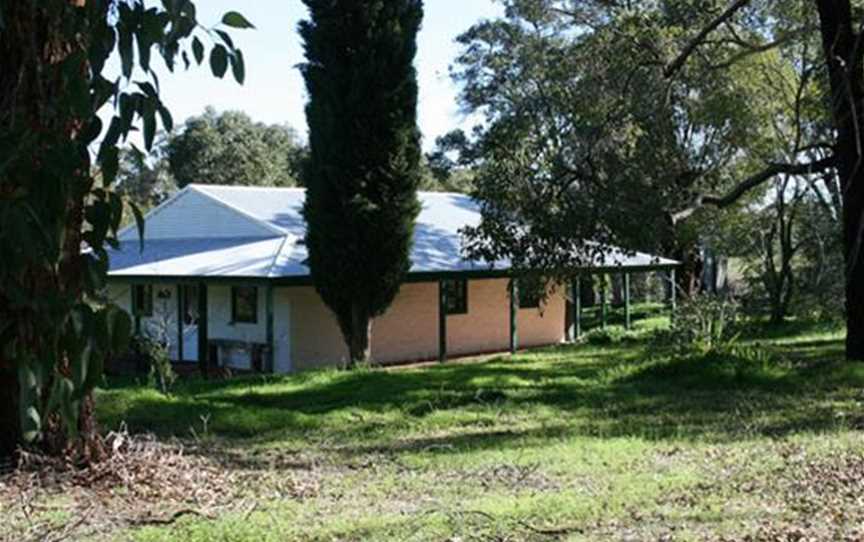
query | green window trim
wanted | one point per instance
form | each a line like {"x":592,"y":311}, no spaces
{"x":244,"y":304}
{"x":142,"y":300}
{"x":456,"y":296}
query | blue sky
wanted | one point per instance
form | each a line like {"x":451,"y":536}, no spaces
{"x":274,"y":91}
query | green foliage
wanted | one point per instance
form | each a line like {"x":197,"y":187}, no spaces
{"x":585,"y":139}
{"x":236,"y":20}
{"x":675,"y":438}
{"x":610,"y":335}
{"x":704,"y":323}
{"x":364,"y":166}
{"x":161,"y":374}
{"x":448,"y":167}
{"x":142,"y":179}
{"x":229,"y":148}
{"x":55,"y":220}
{"x":789,"y":252}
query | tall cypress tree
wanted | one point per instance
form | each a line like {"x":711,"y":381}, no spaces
{"x":364,"y":167}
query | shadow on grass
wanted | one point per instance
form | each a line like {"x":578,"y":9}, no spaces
{"x":554,"y":393}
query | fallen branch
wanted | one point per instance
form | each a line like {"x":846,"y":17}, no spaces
{"x":172,"y":518}
{"x":551,"y":531}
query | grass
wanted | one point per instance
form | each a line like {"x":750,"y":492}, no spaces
{"x":586,"y":442}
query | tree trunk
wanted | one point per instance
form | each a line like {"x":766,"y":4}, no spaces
{"x":360,"y":338}
{"x":778,"y":307}
{"x":843,"y":56}
{"x":688,"y":277}
{"x":35,"y":105}
{"x":10,"y":427}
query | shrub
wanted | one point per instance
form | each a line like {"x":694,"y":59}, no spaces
{"x":610,"y":335}
{"x":154,"y":353}
{"x":704,"y":323}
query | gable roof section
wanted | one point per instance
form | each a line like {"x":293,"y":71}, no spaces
{"x":258,"y":232}
{"x":193,"y":213}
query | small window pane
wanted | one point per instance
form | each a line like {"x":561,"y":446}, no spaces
{"x":456,"y":296}
{"x":530,"y":293}
{"x":244,"y":303}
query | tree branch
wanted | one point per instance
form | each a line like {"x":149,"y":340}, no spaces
{"x":750,"y":49}
{"x":694,"y":43}
{"x":752,"y":182}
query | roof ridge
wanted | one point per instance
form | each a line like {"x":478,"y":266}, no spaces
{"x":263,"y":223}
{"x":206,"y":186}
{"x":443,"y":193}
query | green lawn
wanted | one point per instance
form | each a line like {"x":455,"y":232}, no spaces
{"x":589,"y":442}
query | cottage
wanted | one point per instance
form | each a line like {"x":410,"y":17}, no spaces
{"x":222,"y":273}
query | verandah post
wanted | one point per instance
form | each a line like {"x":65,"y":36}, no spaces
{"x":604,"y":316}
{"x":571,"y":331}
{"x":577,"y":307}
{"x":203,"y":340}
{"x":673,"y":298}
{"x":514,"y":313}
{"x":271,"y":353}
{"x":136,"y":310}
{"x":442,"y":322}
{"x":180,"y":312}
{"x":627,"y":315}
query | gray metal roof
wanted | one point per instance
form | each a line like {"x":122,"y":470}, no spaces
{"x":277,"y":250}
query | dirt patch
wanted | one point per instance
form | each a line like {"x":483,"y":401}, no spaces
{"x":143,"y":482}
{"x":823,"y":496}
{"x":514,"y":478}
{"x":804,"y":498}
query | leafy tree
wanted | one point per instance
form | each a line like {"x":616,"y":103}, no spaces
{"x":229,"y":148}
{"x":822,"y":261}
{"x":143,"y":179}
{"x":364,"y":167}
{"x":53,"y":341}
{"x":771,"y":239}
{"x":444,"y":173}
{"x":768,"y":26}
{"x":585,"y":143}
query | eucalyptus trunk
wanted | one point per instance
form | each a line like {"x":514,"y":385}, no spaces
{"x":843,"y":54}
{"x":10,"y":428}
{"x":37,"y":56}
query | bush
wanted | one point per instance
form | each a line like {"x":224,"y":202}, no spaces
{"x":161,"y":373}
{"x":610,"y":335}
{"x":704,"y":323}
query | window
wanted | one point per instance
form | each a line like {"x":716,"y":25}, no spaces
{"x":530,"y":292}
{"x":456,"y":296}
{"x":142,"y":300}
{"x":244,"y":305}
{"x":190,"y":304}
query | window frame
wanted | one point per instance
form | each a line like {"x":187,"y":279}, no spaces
{"x":455,"y":289}
{"x":142,"y":300}
{"x":235,"y":290}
